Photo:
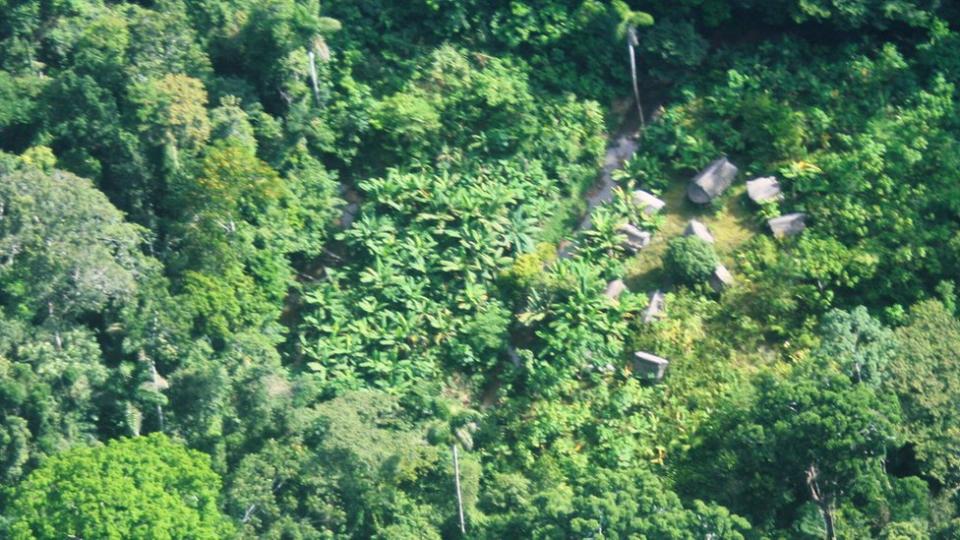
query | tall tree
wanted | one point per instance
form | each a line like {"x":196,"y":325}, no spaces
{"x":627,"y":29}
{"x":146,"y":487}
{"x":66,"y":250}
{"x":812,"y":436}
{"x":923,"y":374}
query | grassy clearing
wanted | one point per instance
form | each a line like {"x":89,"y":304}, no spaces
{"x":731,"y":225}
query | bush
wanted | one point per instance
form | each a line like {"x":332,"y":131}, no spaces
{"x":646,"y":171}
{"x":689,"y":259}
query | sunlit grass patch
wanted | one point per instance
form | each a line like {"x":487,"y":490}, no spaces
{"x":732,"y":224}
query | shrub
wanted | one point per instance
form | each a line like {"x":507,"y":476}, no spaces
{"x":646,"y":171}
{"x":689,"y":259}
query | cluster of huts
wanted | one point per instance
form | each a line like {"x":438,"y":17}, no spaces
{"x":706,"y":186}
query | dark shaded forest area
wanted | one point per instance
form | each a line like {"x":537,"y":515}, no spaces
{"x":424,"y":269}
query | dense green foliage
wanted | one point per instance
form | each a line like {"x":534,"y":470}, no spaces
{"x":265,"y":266}
{"x":689,"y":259}
{"x":148,"y":487}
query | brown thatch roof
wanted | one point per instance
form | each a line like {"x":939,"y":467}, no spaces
{"x":655,"y":307}
{"x":712,"y":181}
{"x":698,"y":229}
{"x":764,"y":189}
{"x":635,"y":238}
{"x":651,"y":204}
{"x":649,"y":365}
{"x":721,"y":278}
{"x":787,"y":224}
{"x":614,"y":289}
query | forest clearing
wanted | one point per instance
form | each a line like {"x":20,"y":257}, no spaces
{"x":463,"y":269}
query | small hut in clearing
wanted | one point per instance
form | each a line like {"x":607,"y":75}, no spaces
{"x":698,"y":229}
{"x":761,"y":190}
{"x":614,"y":289}
{"x":721,"y":278}
{"x":650,"y":366}
{"x":650,"y":203}
{"x":655,"y":307}
{"x":636,"y":239}
{"x":788,"y":224}
{"x":712,"y":181}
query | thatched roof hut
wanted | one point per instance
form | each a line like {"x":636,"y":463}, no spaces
{"x":765,"y":189}
{"x":712,"y":181}
{"x":635,"y":238}
{"x":614,"y":289}
{"x":655,"y":307}
{"x":721,"y":278}
{"x":698,"y":229}
{"x":649,"y":366}
{"x":788,"y":224}
{"x":650,"y":203}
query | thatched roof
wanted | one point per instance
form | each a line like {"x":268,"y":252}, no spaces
{"x":655,"y":307}
{"x":712,"y":181}
{"x":698,"y":229}
{"x":651,"y":204}
{"x":764,"y":189}
{"x":649,"y":365}
{"x":636,"y":239}
{"x":614,"y":289}
{"x":721,"y":278}
{"x":787,"y":224}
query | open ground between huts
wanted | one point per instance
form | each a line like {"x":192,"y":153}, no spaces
{"x":731,"y":225}
{"x":731,"y":219}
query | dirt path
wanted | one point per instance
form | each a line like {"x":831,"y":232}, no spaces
{"x":620,"y":151}
{"x":620,"y":147}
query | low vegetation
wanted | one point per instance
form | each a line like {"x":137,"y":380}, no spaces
{"x":299,"y":271}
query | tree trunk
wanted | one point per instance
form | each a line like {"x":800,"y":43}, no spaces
{"x":631,"y":42}
{"x":827,"y":514}
{"x":58,"y":341}
{"x":822,"y":502}
{"x":156,"y":385}
{"x":456,"y":466}
{"x":313,"y":76}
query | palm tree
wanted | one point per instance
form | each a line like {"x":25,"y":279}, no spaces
{"x":627,"y":28}
{"x":325,"y":26}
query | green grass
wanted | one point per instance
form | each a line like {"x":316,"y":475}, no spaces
{"x":731,"y":225}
